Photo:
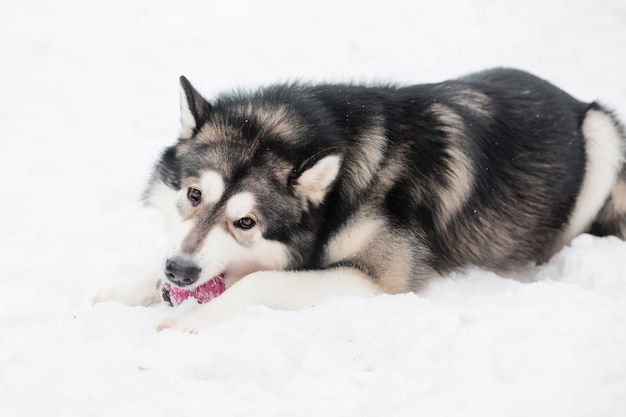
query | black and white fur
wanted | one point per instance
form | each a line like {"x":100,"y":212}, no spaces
{"x":298,"y":192}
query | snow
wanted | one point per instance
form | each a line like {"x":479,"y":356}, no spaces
{"x":88,"y":97}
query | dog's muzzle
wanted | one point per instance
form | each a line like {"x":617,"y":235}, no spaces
{"x":182,"y":271}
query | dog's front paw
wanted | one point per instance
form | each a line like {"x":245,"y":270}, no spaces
{"x":187,"y":323}
{"x":171,"y":324}
{"x":201,"y":317}
{"x":127,"y":297}
{"x":143,"y":292}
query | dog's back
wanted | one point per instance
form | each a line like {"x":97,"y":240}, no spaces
{"x":497,"y":169}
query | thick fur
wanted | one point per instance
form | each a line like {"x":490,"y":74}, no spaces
{"x":368,"y":189}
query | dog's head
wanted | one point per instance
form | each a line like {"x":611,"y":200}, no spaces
{"x":243,"y":188}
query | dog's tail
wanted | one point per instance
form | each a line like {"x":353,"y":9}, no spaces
{"x":599,"y":121}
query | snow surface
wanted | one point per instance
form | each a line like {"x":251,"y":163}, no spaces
{"x":88,"y":97}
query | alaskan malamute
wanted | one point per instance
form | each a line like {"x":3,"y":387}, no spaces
{"x":296,"y":192}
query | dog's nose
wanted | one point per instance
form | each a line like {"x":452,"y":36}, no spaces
{"x":182,"y":271}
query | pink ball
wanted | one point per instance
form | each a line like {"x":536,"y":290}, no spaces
{"x":202,"y":293}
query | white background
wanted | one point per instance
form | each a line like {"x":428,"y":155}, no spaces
{"x":88,"y":97}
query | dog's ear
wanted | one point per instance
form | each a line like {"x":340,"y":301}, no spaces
{"x":194,"y":109}
{"x":315,"y":176}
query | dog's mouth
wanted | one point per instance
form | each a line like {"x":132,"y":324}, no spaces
{"x":204,"y":293}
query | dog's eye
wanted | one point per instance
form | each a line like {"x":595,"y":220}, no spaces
{"x":245,"y":223}
{"x":194,"y":195}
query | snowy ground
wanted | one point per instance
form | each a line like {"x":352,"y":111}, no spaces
{"x":89,"y":95}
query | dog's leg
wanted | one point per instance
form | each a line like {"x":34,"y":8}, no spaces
{"x":275,"y":289}
{"x":144,"y":291}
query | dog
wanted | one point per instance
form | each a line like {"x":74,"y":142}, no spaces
{"x":297,"y":192}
